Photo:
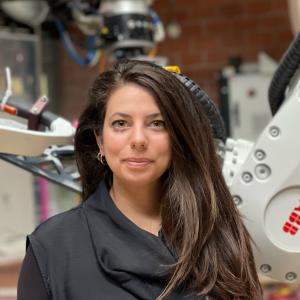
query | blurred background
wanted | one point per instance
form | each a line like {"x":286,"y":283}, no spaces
{"x":230,"y":48}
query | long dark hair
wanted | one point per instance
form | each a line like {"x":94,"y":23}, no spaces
{"x":199,"y":218}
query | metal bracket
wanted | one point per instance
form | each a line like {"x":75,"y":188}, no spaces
{"x":56,"y":164}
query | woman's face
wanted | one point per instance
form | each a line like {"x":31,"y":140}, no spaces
{"x":134,"y":140}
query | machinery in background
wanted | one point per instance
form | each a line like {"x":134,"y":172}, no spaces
{"x":17,"y":206}
{"x":120,"y":28}
{"x":243,"y":88}
{"x":264,"y":176}
{"x":17,"y":187}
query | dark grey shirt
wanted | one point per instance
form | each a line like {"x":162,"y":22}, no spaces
{"x":30,"y":285}
{"x":95,"y":252}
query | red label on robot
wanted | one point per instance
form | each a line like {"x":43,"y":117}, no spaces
{"x":293,"y":224}
{"x":289,"y":228}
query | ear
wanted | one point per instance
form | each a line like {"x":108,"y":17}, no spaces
{"x":99,"y":141}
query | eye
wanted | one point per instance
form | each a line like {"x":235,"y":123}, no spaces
{"x":158,"y":124}
{"x":119,"y":123}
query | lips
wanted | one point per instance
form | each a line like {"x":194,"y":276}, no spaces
{"x":138,"y":162}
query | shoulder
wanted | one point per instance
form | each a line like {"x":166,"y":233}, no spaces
{"x":60,"y":220}
{"x":58,"y":236}
{"x":54,"y":241}
{"x":58,"y":227}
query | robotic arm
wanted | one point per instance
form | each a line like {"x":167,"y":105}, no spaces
{"x":120,"y":28}
{"x":264,"y":177}
{"x":25,"y":145}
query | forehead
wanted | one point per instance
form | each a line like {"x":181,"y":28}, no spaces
{"x":131,"y":98}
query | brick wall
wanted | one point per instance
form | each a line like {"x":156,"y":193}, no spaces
{"x":74,"y":81}
{"x":215,"y":30}
{"x":212,"y":32}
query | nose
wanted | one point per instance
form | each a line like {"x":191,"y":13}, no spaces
{"x":139,"y":140}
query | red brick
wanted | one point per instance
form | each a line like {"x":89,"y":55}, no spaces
{"x":192,"y":30}
{"x":231,"y":40}
{"x":260,"y":38}
{"x":192,"y":59}
{"x":174,"y":46}
{"x":257,"y":6}
{"x":187,"y":9}
{"x":218,"y":26}
{"x":275,"y":52}
{"x":216,"y":57}
{"x":204,"y":44}
{"x":232,"y":9}
{"x":272,"y":21}
{"x":245,"y":24}
{"x":285,"y":35}
{"x":183,"y":15}
{"x":279,"y":5}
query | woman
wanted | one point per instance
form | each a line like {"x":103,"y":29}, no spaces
{"x":157,"y":220}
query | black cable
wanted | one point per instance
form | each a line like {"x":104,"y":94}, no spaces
{"x":213,"y":114}
{"x":284,"y":73}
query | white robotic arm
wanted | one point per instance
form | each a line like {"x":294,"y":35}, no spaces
{"x":17,"y":139}
{"x":37,"y":140}
{"x":264,"y":177}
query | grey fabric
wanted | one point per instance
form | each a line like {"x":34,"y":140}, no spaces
{"x":31,"y":287}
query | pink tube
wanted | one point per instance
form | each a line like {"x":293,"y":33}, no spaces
{"x":44,"y":199}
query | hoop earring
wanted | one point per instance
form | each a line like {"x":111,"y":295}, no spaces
{"x":101,"y":158}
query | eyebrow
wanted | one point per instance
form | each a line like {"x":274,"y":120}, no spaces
{"x":124,"y":115}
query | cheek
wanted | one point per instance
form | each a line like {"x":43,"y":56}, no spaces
{"x":113,"y":143}
{"x":163,"y":146}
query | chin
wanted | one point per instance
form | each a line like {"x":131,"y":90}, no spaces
{"x":139,"y":179}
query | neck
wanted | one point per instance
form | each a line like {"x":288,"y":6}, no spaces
{"x":140,"y":204}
